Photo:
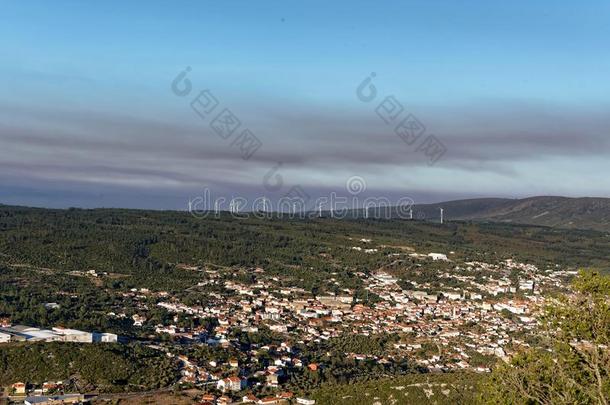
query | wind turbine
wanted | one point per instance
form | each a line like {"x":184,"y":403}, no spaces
{"x":441,"y":215}
{"x":265,"y":204}
{"x":190,"y":205}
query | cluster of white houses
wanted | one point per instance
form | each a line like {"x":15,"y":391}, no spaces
{"x":471,"y":293}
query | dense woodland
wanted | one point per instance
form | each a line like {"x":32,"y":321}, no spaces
{"x":147,"y":245}
{"x":88,"y":367}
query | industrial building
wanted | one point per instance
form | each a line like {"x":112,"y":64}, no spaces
{"x":22,"y":333}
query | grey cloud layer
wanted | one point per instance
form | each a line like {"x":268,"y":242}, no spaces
{"x":115,"y":149}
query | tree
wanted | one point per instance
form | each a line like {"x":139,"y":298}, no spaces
{"x":572,"y":366}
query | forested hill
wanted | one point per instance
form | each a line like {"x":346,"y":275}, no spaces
{"x":561,"y":212}
{"x":557,"y":212}
{"x":150,"y":246}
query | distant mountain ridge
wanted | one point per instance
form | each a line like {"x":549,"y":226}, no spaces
{"x":561,"y":212}
{"x":553,"y":211}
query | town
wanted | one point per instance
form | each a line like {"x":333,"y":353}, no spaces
{"x":466,"y":317}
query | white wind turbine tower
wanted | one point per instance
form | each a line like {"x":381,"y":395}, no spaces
{"x":265,"y":204}
{"x":216,"y":207}
{"x":441,"y":215}
{"x":320,"y":210}
{"x":190,"y":205}
{"x":410,"y":213}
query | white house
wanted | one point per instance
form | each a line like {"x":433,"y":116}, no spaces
{"x":231,"y":384}
{"x":438,"y":256}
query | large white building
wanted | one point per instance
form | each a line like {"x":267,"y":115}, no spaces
{"x":73,"y":335}
{"x":5,"y":337}
{"x":21,"y":333}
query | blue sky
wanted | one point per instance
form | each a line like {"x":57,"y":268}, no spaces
{"x":518,"y":92}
